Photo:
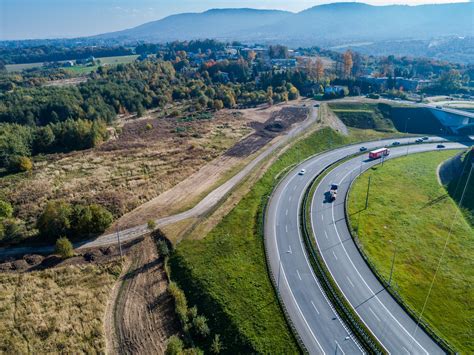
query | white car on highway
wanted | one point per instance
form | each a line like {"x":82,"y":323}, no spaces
{"x":302,"y":172}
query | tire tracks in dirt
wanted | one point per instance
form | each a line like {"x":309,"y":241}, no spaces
{"x":140,"y":315}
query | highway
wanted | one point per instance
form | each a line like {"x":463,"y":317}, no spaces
{"x":308,"y":309}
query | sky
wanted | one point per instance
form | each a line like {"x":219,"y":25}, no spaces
{"x":33,"y":19}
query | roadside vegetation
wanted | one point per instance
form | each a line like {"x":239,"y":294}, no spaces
{"x":57,"y":310}
{"x":225,"y":273}
{"x":412,"y":215}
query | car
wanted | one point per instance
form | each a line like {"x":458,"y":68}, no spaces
{"x":302,"y":172}
{"x":362,"y":149}
{"x":316,"y":105}
{"x":396,"y":143}
{"x":439,"y":146}
{"x":419,"y":140}
{"x":439,"y":107}
{"x":425,"y":138}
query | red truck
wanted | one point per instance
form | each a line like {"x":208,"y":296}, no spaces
{"x":378,"y":153}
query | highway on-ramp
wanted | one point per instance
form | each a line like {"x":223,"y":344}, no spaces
{"x":311,"y":314}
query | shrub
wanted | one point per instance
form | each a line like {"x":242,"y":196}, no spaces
{"x":20,"y":164}
{"x":6,"y":209}
{"x":149,"y":127}
{"x":64,"y":248}
{"x":216,"y":346}
{"x":175,"y":346}
{"x":200,"y":326}
{"x":163,"y":249}
{"x":151,"y":224}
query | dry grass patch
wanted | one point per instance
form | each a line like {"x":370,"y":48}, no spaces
{"x":55,"y":310}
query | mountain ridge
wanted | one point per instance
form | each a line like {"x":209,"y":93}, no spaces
{"x":327,"y":24}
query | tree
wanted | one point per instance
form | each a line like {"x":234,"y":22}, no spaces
{"x":6,"y":209}
{"x":64,"y":248}
{"x":175,"y":346}
{"x":24,"y":164}
{"x":450,"y":81}
{"x":218,"y":105}
{"x":216,"y":346}
{"x":347,"y":63}
{"x":319,"y":70}
{"x":270,"y":95}
{"x":55,"y":220}
{"x":44,"y":139}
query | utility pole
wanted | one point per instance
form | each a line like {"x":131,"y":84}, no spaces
{"x":367,"y":196}
{"x":119,"y":244}
{"x":406,"y":132}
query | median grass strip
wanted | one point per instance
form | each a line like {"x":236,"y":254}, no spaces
{"x":225,"y":273}
{"x":411,"y":215}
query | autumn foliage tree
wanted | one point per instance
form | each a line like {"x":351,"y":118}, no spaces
{"x":348,"y":63}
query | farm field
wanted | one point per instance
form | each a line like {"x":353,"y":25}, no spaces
{"x":57,"y":310}
{"x":80,"y":69}
{"x":411,"y":213}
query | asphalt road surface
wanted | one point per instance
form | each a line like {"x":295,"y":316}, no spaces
{"x":310,"y":312}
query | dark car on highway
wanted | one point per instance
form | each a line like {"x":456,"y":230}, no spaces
{"x":440,"y":146}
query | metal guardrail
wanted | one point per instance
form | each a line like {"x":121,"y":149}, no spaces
{"x":343,"y":308}
{"x":395,"y":295}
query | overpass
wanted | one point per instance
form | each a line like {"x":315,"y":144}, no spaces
{"x":451,"y":118}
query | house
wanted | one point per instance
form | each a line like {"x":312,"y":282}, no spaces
{"x":284,"y":63}
{"x":334,"y":89}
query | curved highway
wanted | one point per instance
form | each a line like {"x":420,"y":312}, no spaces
{"x":310,"y":312}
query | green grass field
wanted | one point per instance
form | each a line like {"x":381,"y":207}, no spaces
{"x":79,"y":69}
{"x":225,"y":273}
{"x":410,"y":211}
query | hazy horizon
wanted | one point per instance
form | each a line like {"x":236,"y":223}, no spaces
{"x":31,"y":19}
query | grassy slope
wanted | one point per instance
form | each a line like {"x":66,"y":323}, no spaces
{"x":387,"y":117}
{"x":416,"y":214}
{"x":225,"y":273}
{"x":456,"y":187}
{"x":55,"y":310}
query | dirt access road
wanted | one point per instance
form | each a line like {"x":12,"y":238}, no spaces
{"x":140,"y":314}
{"x":205,"y":205}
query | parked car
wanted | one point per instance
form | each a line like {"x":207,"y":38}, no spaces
{"x":302,"y":172}
{"x":316,"y":105}
{"x":440,"y":146}
{"x":362,"y":149}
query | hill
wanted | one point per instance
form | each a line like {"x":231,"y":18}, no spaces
{"x":324,"y":24}
{"x":215,"y":23}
